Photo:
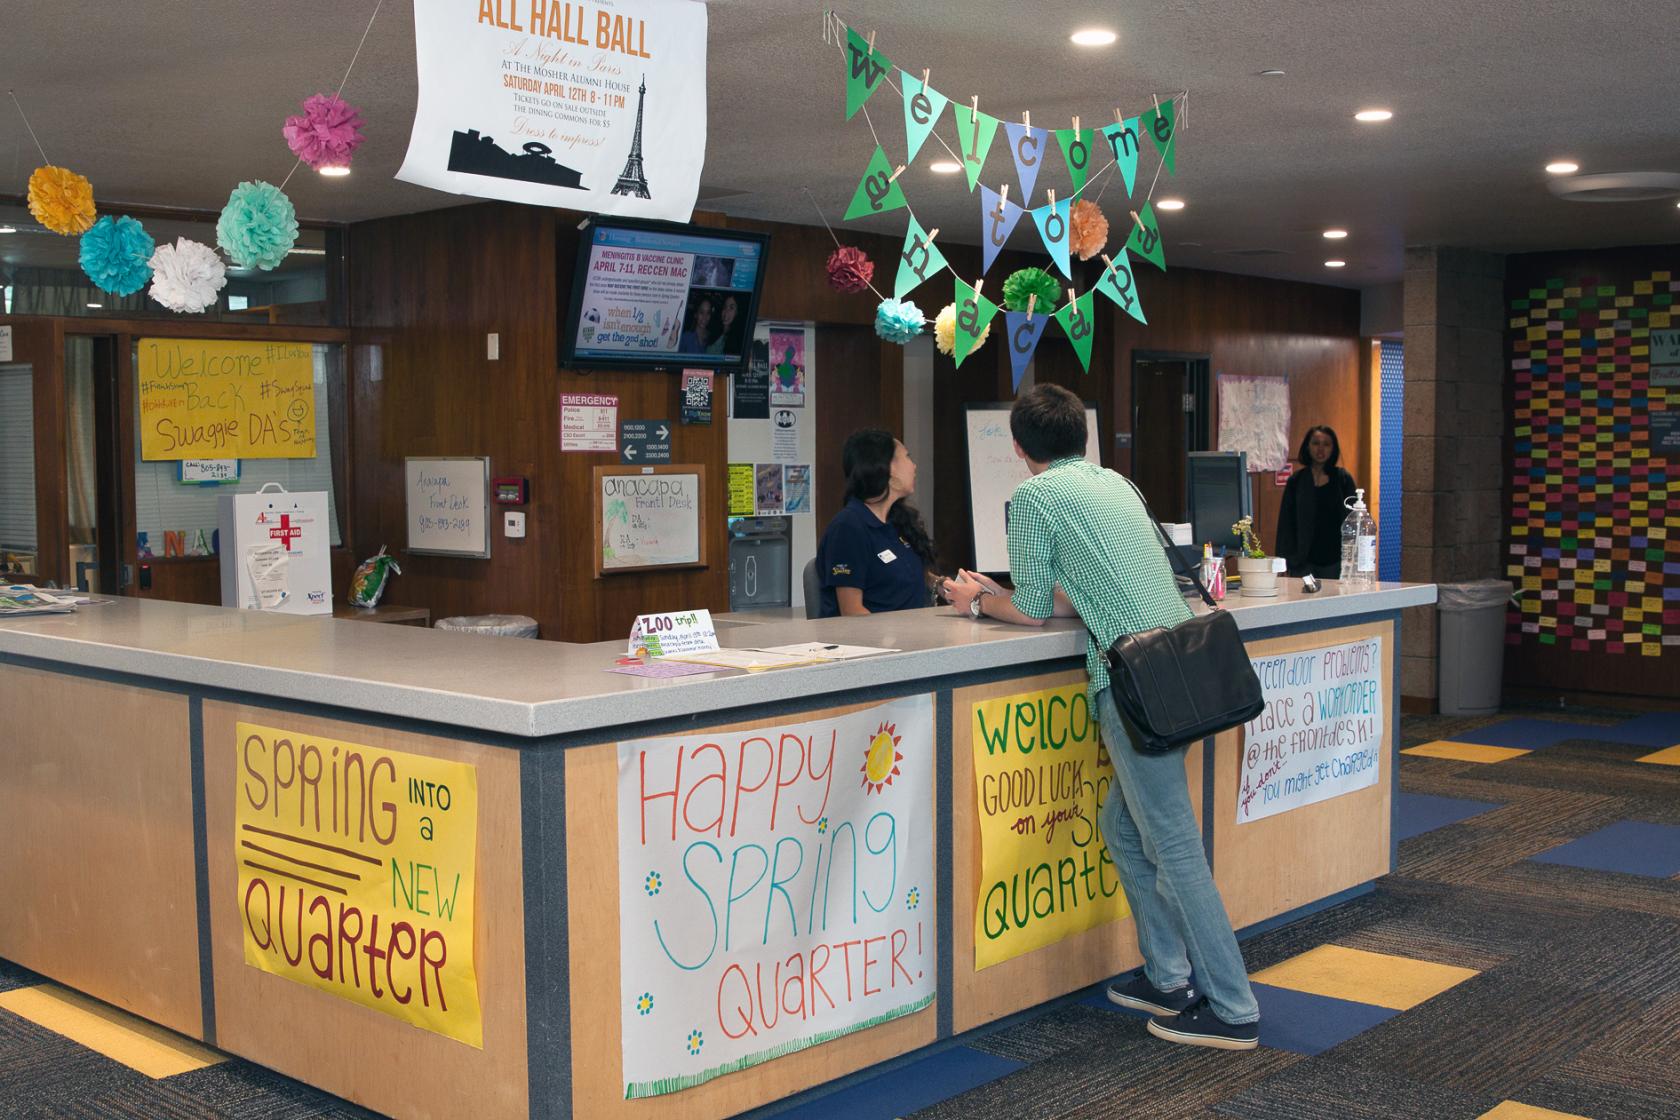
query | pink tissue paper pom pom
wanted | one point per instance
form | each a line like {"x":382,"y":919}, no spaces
{"x":327,"y":134}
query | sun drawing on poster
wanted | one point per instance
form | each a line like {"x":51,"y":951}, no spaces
{"x":880,"y":764}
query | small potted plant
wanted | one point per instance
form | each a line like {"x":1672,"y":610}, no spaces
{"x":1259,"y":579}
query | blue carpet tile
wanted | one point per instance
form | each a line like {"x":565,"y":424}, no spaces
{"x":1425,"y":812}
{"x":1658,"y":729}
{"x":1632,"y":847}
{"x":1307,"y":1024}
{"x":908,"y":1088}
{"x":1531,"y":734}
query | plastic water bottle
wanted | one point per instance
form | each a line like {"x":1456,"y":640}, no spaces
{"x":1359,"y":544}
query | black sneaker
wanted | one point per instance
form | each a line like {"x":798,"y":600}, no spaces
{"x":1140,"y":995}
{"x":1197,"y":1025}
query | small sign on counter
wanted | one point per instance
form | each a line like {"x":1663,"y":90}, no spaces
{"x":661,"y":635}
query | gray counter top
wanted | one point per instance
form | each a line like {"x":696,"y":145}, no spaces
{"x":533,"y":688}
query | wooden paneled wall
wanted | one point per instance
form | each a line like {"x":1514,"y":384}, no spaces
{"x":426,"y":290}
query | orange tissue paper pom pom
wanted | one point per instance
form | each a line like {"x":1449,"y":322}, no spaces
{"x":1088,"y":230}
{"x":61,"y":200}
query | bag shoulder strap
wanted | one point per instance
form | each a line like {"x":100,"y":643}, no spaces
{"x":1172,"y":549}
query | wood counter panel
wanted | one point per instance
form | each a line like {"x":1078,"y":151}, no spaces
{"x":1074,"y":962}
{"x":597,"y":1040}
{"x":96,"y":842}
{"x":342,"y":1047}
{"x":1280,"y":863}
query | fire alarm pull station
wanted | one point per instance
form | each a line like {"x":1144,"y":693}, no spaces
{"x":512,"y":491}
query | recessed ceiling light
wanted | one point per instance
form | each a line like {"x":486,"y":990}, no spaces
{"x":333,"y":171}
{"x":1093,"y":37}
{"x":1271,"y":73}
{"x":1563,"y":167}
{"x":1371,"y":116}
{"x":1335,"y":234}
{"x":8,"y":229}
{"x":1335,"y":264}
{"x":1170,"y":204}
{"x":945,"y":167}
{"x":96,"y":305}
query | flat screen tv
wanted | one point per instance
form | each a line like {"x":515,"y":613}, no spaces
{"x":654,"y":295}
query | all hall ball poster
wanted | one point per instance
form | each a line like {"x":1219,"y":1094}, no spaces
{"x":597,"y":106}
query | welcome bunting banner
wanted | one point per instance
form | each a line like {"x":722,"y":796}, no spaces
{"x":998,"y":217}
{"x":865,"y":71}
{"x":1025,"y":328}
{"x":878,"y":191}
{"x":1026,"y":146}
{"x":920,"y":259}
{"x":974,"y":313}
{"x":923,"y":106}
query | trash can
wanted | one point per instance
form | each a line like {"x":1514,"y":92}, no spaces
{"x":499,"y":625}
{"x":1472,"y":646}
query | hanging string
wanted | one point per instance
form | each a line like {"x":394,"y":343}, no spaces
{"x":30,"y":127}
{"x":358,"y":54}
{"x":822,"y":218}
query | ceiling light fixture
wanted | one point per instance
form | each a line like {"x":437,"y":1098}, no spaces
{"x":945,"y":167}
{"x":96,"y":306}
{"x":1335,"y":234}
{"x":1372,"y":116}
{"x":1093,"y":37}
{"x":8,"y":229}
{"x":333,"y":171}
{"x":1271,"y":73}
{"x":1335,"y":264}
{"x":1170,"y":204}
{"x":1563,"y":167}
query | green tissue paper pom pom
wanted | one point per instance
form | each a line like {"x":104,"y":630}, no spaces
{"x":1021,"y":286}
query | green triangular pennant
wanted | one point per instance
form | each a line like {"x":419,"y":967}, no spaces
{"x":1077,"y":153}
{"x":1080,"y":326}
{"x":974,"y":313}
{"x":1161,"y":126}
{"x":919,"y":261}
{"x":922,"y":106}
{"x":865,"y":71}
{"x":1119,"y":285}
{"x":1146,"y":239}
{"x":974,"y":137}
{"x":877,"y":192}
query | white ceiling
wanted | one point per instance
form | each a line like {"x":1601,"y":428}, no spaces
{"x":173,"y":101}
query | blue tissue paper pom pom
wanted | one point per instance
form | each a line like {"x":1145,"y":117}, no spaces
{"x":898,"y":320}
{"x":258,"y":226}
{"x":116,"y":254}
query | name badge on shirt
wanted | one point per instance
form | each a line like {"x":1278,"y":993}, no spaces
{"x":886,"y":556}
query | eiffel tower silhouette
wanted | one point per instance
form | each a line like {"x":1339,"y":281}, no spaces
{"x":632,"y":180}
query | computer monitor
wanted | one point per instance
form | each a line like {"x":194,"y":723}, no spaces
{"x":1219,"y":496}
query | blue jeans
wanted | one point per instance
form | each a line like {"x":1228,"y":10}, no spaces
{"x":1156,"y":845}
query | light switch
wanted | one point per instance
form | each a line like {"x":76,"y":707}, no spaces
{"x":513,"y":524}
{"x":493,"y":346}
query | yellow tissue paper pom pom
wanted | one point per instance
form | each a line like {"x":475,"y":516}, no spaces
{"x":61,"y":200}
{"x":945,"y":331}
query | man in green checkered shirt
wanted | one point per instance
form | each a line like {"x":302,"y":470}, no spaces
{"x":1082,"y":544}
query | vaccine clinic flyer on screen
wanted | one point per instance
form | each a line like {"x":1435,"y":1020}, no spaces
{"x":640,"y":283}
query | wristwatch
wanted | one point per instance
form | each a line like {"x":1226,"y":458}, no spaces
{"x":974,"y":610}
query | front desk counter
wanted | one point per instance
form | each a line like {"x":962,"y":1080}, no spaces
{"x":131,"y":869}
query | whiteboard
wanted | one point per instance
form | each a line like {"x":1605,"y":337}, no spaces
{"x":1254,"y":419}
{"x":649,"y":517}
{"x":448,"y":506}
{"x":994,"y":470}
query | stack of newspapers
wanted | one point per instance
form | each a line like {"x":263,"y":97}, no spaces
{"x":22,"y":598}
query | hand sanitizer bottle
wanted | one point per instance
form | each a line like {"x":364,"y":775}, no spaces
{"x":1359,"y":544}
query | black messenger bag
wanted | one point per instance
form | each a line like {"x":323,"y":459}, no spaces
{"x":1179,"y":685}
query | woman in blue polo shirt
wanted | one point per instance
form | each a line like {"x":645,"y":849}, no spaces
{"x":876,"y":554}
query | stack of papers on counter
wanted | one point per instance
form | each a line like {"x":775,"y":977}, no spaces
{"x":22,"y":598}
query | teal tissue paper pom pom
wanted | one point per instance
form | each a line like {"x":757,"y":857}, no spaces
{"x":258,"y":226}
{"x":1021,"y":286}
{"x":898,"y":320}
{"x":116,"y":254}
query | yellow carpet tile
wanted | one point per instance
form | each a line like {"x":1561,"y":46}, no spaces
{"x":1378,"y":979}
{"x":1464,"y":752}
{"x":1511,"y":1110}
{"x":136,"y":1043}
{"x":1668,"y":757}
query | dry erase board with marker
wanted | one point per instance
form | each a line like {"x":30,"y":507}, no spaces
{"x":994,"y":470}
{"x":649,"y":517}
{"x":448,"y":506}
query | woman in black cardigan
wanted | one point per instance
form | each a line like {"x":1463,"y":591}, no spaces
{"x":1309,"y":534}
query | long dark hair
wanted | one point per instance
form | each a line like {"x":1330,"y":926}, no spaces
{"x":867,"y":460}
{"x":1304,"y":456}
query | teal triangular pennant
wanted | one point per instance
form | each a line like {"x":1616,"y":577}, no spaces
{"x":1052,"y":222}
{"x":920,"y":260}
{"x":1122,"y":140}
{"x":1119,"y":285}
{"x":922,"y":106}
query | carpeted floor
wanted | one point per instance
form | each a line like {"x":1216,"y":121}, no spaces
{"x":1523,"y":961}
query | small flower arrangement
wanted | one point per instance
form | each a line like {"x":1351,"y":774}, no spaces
{"x":1251,"y":546}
